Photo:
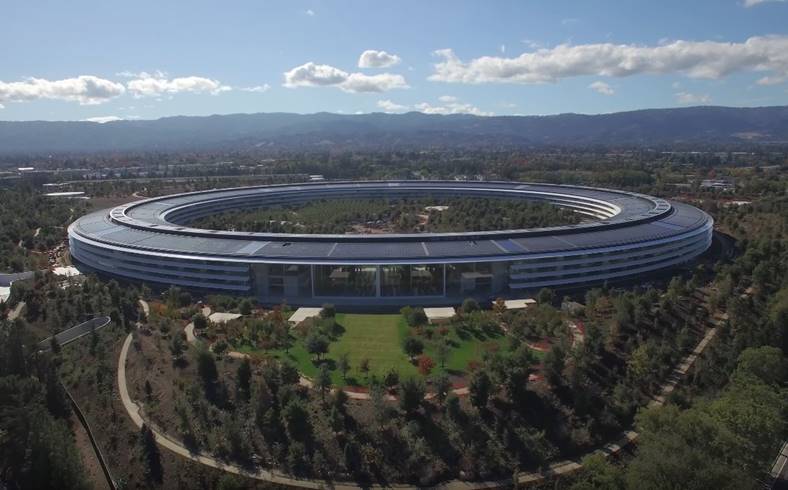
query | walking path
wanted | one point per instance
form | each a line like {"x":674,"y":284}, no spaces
{"x":189,"y":329}
{"x":14,"y":314}
{"x":566,"y":467}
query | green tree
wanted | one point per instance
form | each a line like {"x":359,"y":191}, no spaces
{"x":442,"y":386}
{"x":323,"y":381}
{"x":411,"y":394}
{"x":244,"y":380}
{"x":343,"y":364}
{"x":317,"y":345}
{"x":480,"y":388}
{"x":412,"y":347}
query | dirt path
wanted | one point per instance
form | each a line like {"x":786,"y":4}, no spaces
{"x":93,"y":471}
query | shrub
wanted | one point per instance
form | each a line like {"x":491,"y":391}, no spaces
{"x":328,"y":311}
{"x":469,"y":305}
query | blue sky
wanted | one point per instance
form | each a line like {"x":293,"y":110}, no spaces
{"x":103,"y":59}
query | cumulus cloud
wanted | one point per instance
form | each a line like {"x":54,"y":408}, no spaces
{"x":602,"y":88}
{"x":315,"y":75}
{"x":451,"y":105}
{"x":448,"y":105}
{"x":390,"y":106}
{"x":377,"y":59}
{"x":688,"y":98}
{"x":103,"y":119}
{"x":753,"y":3}
{"x":85,"y":89}
{"x":257,"y":88}
{"x":153,"y":85}
{"x":696,"y":59}
{"x":310,"y":12}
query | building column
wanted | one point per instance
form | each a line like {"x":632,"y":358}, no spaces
{"x":377,"y":281}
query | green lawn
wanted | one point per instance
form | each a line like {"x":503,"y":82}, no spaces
{"x":379,"y":338}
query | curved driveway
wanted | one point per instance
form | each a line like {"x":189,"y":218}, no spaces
{"x":566,"y":467}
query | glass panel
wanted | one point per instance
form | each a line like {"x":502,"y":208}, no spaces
{"x":415,"y":280}
{"x":469,"y":279}
{"x":345,"y":280}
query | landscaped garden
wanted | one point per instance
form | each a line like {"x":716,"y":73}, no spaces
{"x":362,"y":348}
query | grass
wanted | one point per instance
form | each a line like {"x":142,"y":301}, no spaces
{"x":379,"y":337}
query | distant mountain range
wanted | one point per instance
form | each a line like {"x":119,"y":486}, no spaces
{"x":689,"y":127}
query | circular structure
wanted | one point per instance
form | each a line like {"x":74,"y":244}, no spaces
{"x":626,"y":234}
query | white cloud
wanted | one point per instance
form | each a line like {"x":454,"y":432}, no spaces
{"x":602,"y":88}
{"x":103,"y":119}
{"x":314,"y":75}
{"x":257,"y":88}
{"x":311,"y":75}
{"x":502,"y":48}
{"x":688,"y":98}
{"x":377,"y":59}
{"x":2,"y":106}
{"x":389,"y":106}
{"x":448,"y":105}
{"x":753,"y":3}
{"x":696,"y":59}
{"x":451,"y":105}
{"x":85,"y":89}
{"x":153,"y":85}
{"x":310,"y":12}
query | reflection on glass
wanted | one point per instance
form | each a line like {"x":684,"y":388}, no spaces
{"x":411,"y":280}
{"x":345,"y":280}
{"x":469,"y":279}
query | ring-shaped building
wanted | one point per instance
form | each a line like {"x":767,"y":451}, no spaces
{"x":625,"y":235}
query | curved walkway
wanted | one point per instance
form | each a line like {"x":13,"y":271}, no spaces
{"x":566,"y":467}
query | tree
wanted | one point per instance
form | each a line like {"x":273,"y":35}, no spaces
{"x":328,"y":311}
{"x":323,"y":380}
{"x":469,"y":305}
{"x":599,"y":474}
{"x":244,"y":380}
{"x":442,"y":386}
{"x":199,"y":321}
{"x":178,"y":345}
{"x":391,"y":379}
{"x":343,"y":364}
{"x":363,"y":366}
{"x":411,"y":394}
{"x":442,"y":352}
{"x":480,"y":388}
{"x":546,"y":296}
{"x":209,"y":374}
{"x":554,"y":363}
{"x":317,"y":345}
{"x":426,"y":364}
{"x":412,"y":347}
{"x":499,"y":306}
{"x":245,"y":307}
{"x":295,"y":419}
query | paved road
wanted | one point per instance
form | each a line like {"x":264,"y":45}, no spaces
{"x":73,"y":333}
{"x":7,"y":279}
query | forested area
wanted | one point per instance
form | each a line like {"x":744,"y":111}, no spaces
{"x":37,"y":446}
{"x":30,"y":225}
{"x":427,"y":215}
